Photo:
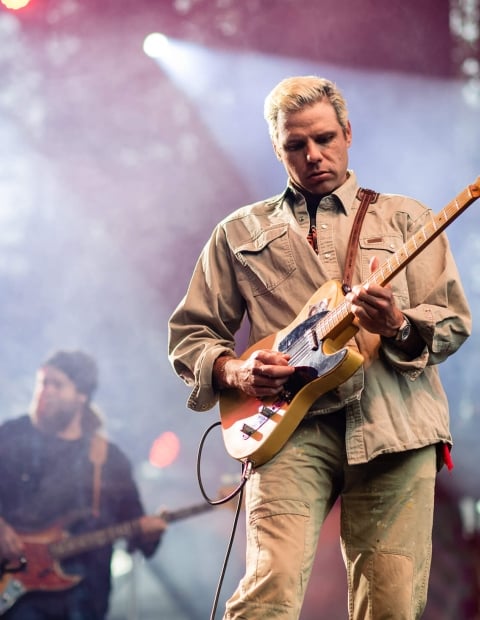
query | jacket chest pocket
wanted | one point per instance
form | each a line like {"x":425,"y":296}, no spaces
{"x":266,"y":259}
{"x":384,"y":247}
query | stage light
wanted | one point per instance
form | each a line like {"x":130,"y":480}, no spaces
{"x":121,"y":563}
{"x":164,"y":450}
{"x":15,"y":4}
{"x":155,"y":45}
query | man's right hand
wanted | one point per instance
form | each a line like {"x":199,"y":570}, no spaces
{"x":11,"y":546}
{"x":262,"y":374}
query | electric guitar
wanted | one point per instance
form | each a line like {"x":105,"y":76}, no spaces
{"x":256,"y":429}
{"x":40,"y":569}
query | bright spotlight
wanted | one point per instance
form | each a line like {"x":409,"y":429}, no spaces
{"x":155,"y":45}
{"x":15,"y":4}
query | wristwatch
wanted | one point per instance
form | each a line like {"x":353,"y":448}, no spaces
{"x":404,"y":330}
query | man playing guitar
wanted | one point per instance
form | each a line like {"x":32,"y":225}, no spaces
{"x":338,"y":395}
{"x":60,"y":474}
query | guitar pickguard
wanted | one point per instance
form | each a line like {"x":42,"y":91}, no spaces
{"x":307,"y":354}
{"x":11,"y":590}
{"x":300,"y":330}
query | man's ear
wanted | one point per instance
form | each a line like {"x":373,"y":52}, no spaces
{"x":277,"y":152}
{"x":348,"y":134}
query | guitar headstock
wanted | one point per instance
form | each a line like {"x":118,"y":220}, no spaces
{"x":475,"y":188}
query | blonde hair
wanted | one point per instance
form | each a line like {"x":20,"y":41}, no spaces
{"x":294,"y":93}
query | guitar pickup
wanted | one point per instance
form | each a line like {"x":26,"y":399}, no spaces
{"x":264,"y":414}
{"x":313,"y":339}
{"x":248,"y":430}
{"x":268,"y":412}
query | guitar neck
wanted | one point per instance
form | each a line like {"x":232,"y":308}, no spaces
{"x":74,"y":545}
{"x":190,"y":511}
{"x":421,"y":239}
{"x":342,"y":315}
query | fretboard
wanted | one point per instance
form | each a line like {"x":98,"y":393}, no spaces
{"x":74,"y":545}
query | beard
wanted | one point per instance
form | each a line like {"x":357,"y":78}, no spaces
{"x":54,"y":422}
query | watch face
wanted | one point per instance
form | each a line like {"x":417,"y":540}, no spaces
{"x":405,"y":332}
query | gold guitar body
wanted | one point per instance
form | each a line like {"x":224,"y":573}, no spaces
{"x":254,"y":429}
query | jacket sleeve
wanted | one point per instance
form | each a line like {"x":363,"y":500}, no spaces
{"x":204,"y":324}
{"x":437,"y":306}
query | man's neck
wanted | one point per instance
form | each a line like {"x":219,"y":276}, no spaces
{"x":72,"y":432}
{"x":312,"y":200}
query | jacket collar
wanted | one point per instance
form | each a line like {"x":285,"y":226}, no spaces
{"x":345,"y":194}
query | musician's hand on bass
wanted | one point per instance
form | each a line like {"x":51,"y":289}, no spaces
{"x":262,"y":374}
{"x":152,"y":527}
{"x":11,"y":546}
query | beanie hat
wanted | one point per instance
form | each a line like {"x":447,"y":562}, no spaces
{"x":79,"y":367}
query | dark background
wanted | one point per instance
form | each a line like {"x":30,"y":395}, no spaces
{"x":114,"y":168}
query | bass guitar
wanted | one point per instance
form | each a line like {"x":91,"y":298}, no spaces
{"x":40,"y":569}
{"x":255,"y":430}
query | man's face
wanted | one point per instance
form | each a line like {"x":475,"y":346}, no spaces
{"x":56,"y":401}
{"x":313,"y":147}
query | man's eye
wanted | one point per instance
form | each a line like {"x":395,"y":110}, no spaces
{"x":294,"y":146}
{"x":325,"y":139}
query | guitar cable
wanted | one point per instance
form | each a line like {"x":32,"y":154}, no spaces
{"x":247,"y":468}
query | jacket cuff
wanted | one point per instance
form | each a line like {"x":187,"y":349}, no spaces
{"x":203,"y":396}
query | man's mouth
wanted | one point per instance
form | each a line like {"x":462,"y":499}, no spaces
{"x":318,"y":174}
{"x":44,"y":405}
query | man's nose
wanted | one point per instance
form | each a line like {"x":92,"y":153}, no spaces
{"x":313,"y":153}
{"x":46,"y":388}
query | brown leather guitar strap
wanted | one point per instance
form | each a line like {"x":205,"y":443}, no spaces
{"x":98,"y":455}
{"x":366,"y":197}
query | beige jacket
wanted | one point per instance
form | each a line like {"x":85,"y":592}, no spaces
{"x":259,"y":265}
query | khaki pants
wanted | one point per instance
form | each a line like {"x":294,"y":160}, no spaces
{"x":386,"y":527}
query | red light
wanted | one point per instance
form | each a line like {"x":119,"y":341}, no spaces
{"x":164,"y":450}
{"x":15,"y":4}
